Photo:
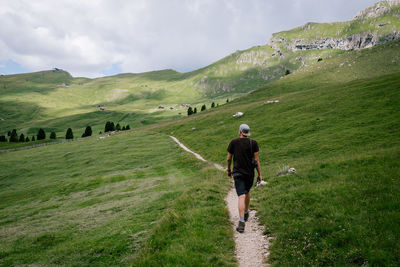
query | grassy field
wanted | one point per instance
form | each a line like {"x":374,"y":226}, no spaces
{"x":339,"y":127}
{"x":134,"y":198}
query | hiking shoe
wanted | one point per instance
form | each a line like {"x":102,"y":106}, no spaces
{"x":240,"y":227}
{"x":246,"y":216}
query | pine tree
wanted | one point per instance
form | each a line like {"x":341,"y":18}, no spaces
{"x":21,"y":138}
{"x":190,"y":111}
{"x":203,"y":107}
{"x":195,"y":111}
{"x":112,"y":127}
{"x":127,"y":127}
{"x":3,"y":138}
{"x":33,"y":138}
{"x":69,"y":134}
{"x":27,"y":139}
{"x":227,"y":100}
{"x":9,"y":133}
{"x":41,"y":134}
{"x":88,"y":132}
{"x":118,"y":127}
{"x":14,"y":136}
{"x":213,"y":105}
{"x":123,"y":128}
{"x":107,"y":127}
{"x":53,"y":135}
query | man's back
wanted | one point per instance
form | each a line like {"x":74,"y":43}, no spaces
{"x":243,"y":149}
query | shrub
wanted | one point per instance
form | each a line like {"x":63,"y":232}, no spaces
{"x":190,"y":111}
{"x":14,"y":136}
{"x":41,"y":134}
{"x":118,"y":127}
{"x":88,"y":132}
{"x":53,"y":135}
{"x":69,"y":134}
{"x":3,"y":138}
{"x":21,"y":138}
{"x":27,"y":139}
{"x":203,"y":107}
{"x":213,"y":105}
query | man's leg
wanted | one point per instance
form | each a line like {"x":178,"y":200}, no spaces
{"x":241,"y":205}
{"x":247,"y":201}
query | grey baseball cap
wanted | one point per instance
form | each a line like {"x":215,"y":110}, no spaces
{"x":245,"y":129}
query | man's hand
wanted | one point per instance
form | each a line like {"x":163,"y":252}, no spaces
{"x":229,"y":173}
{"x":259,"y":178}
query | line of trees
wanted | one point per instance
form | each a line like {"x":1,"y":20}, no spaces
{"x":110,"y":127}
{"x":13,"y":136}
{"x":191,"y":111}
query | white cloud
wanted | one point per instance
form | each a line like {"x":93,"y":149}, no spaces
{"x":88,"y":37}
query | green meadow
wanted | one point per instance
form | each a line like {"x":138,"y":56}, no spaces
{"x":130,"y":199}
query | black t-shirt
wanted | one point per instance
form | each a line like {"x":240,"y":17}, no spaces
{"x":241,"y":151}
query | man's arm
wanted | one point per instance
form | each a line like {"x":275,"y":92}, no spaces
{"x":229,"y":161}
{"x":257,"y":160}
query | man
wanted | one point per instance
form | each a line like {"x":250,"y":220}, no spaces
{"x":245,"y":156}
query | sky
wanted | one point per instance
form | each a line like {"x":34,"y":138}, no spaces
{"x":104,"y":37}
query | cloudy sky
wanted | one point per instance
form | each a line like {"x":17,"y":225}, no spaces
{"x":104,"y":37}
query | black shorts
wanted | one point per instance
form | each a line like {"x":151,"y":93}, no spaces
{"x":243,"y":183}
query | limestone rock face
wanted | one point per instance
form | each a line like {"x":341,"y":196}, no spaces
{"x":352,"y":42}
{"x":377,"y":10}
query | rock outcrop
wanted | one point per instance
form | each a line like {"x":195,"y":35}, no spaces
{"x":374,"y":36}
{"x":352,"y":42}
{"x":377,"y":10}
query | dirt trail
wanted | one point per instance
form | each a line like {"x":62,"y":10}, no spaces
{"x":252,"y":245}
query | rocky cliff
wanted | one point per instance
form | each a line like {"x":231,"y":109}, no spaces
{"x":375,"y":25}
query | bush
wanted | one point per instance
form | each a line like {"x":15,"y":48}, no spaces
{"x":14,"y":136}
{"x":213,"y":105}
{"x":3,"y":138}
{"x":203,"y":107}
{"x":21,"y":138}
{"x":69,"y":134}
{"x":88,"y":132}
{"x":41,"y":134}
{"x":53,"y":135}
{"x":127,"y":127}
{"x":27,"y":139}
{"x":118,"y":127}
{"x":190,"y":111}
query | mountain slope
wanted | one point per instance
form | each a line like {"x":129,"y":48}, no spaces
{"x":338,"y":126}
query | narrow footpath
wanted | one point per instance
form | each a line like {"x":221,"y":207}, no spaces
{"x":251,"y":246}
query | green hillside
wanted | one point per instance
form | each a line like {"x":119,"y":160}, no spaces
{"x":338,"y":125}
{"x":54,"y":100}
{"x":105,"y":203}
